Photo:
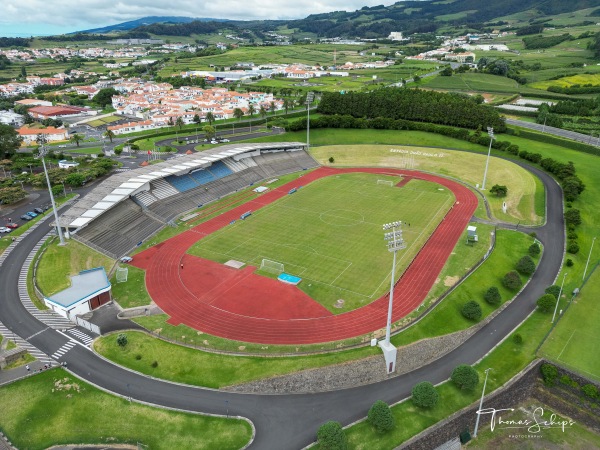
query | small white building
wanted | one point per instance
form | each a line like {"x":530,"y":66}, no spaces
{"x":88,"y":291}
{"x":65,"y":164}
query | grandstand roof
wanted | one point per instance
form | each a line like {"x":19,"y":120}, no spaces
{"x":120,"y":186}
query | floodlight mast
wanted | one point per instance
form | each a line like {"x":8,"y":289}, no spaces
{"x":42,"y":152}
{"x":309,"y":98}
{"x":395,"y":242}
{"x":490,"y":131}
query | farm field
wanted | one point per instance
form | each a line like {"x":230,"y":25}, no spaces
{"x":329,"y":234}
{"x":581,"y":79}
{"x":575,"y":339}
{"x":473,"y":82}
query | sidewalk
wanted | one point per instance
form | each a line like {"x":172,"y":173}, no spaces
{"x":8,"y":376}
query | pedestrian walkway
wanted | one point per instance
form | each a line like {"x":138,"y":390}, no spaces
{"x":62,"y":351}
{"x":33,"y":351}
{"x":82,"y":336}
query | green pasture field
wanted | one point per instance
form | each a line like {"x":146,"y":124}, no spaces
{"x":575,"y":340}
{"x":473,"y":82}
{"x":48,"y":408}
{"x":104,"y":121}
{"x":581,"y":79}
{"x":337,"y":249}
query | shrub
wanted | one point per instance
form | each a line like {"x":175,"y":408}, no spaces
{"x":118,"y":151}
{"x":573,"y":247}
{"x":546,"y":303}
{"x":424,"y":395}
{"x":331,"y":436}
{"x":471,"y":310}
{"x":569,"y":262}
{"x":526,"y":265}
{"x":154,"y":364}
{"x":492,"y":296}
{"x":517,"y":339}
{"x":554,"y":290}
{"x":568,"y":381}
{"x":534,"y":249}
{"x":549,"y":374}
{"x":499,"y":190}
{"x":380,"y":416}
{"x":591,"y":391}
{"x":331,"y":159}
{"x":512,"y":281}
{"x":573,"y":217}
{"x":138,"y":356}
{"x":122,"y":340}
{"x":465,"y":377}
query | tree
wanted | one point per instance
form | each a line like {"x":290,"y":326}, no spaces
{"x":416,"y":78}
{"x":272,"y":107}
{"x":77,"y":138}
{"x":10,"y":141}
{"x":554,"y":290}
{"x":238,"y":113}
{"x":546,"y":303}
{"x":526,"y":265}
{"x":104,"y":97}
{"x":472,"y":310}
{"x":122,"y":340}
{"x":251,"y":110}
{"x":286,"y":105}
{"x":492,"y":296}
{"x":331,"y":436}
{"x":179,"y":122}
{"x":499,"y":190}
{"x":209,"y":131}
{"x":110,"y":134}
{"x":424,"y":395}
{"x":512,"y":281}
{"x":380,"y":416}
{"x":197,"y":118}
{"x":75,"y":179}
{"x":210,"y":117}
{"x":534,"y":249}
{"x":10,"y":195}
{"x":465,"y":377}
{"x":573,"y":217}
{"x":447,"y":72}
{"x":262,"y":111}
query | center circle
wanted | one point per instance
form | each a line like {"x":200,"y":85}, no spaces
{"x":342,"y":217}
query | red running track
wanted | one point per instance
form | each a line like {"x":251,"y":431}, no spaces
{"x":239,"y":305}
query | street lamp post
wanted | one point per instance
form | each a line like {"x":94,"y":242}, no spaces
{"x":395,"y":242}
{"x":559,"y":294}
{"x":490,"y":131}
{"x":42,"y":153}
{"x":487,"y":371}
{"x":309,"y":98}
{"x":588,"y":259}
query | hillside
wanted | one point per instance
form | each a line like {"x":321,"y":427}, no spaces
{"x":130,"y":25}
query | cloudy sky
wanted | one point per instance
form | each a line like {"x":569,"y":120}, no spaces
{"x":35,"y":17}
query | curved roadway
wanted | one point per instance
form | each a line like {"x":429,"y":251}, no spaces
{"x":284,"y":421}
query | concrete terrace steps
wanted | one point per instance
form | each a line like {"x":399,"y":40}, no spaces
{"x":166,"y":288}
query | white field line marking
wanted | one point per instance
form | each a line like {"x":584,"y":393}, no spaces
{"x":567,"y":343}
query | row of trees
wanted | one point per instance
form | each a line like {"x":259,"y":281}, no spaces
{"x":414,"y":105}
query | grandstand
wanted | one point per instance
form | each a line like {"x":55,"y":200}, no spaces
{"x":128,"y":207}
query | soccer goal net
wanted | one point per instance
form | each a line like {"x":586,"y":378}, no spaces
{"x":271,"y":266}
{"x":122,"y":274}
{"x":386,"y":182}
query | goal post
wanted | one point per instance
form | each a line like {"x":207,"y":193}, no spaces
{"x":271,"y":266}
{"x":385,"y":182}
{"x":121,"y":274}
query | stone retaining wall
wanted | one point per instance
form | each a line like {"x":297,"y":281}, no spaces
{"x":11,"y":356}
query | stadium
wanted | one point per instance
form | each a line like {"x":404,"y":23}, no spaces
{"x":281,"y":217}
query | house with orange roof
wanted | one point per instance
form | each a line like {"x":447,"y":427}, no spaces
{"x":30,"y":135}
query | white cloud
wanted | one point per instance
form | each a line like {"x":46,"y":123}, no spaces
{"x":32,"y":15}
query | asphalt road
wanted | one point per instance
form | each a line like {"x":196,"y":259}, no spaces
{"x":580,"y":137}
{"x":284,"y":421}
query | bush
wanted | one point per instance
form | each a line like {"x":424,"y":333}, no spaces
{"x":512,"y":281}
{"x":573,"y":217}
{"x":546,"y":303}
{"x":517,"y":339}
{"x":471,"y":310}
{"x":534,"y":249}
{"x":465,"y":377}
{"x":526,"y":265}
{"x":492,"y":296}
{"x":591,"y":391}
{"x":331,"y":159}
{"x":380,"y":416}
{"x":331,"y":436}
{"x":569,"y":262}
{"x":122,"y":340}
{"x":554,"y":290}
{"x":573,"y":247}
{"x":138,"y":356}
{"x":424,"y":395}
{"x":118,"y":151}
{"x":549,"y":374}
{"x":568,"y":381}
{"x":154,"y":364}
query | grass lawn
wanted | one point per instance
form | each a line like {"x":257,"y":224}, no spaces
{"x":49,"y":409}
{"x":85,"y":151}
{"x":525,"y":199}
{"x":473,"y":82}
{"x":132,"y":292}
{"x":59,"y":262}
{"x":575,"y":340}
{"x":322,"y":224}
{"x":575,"y":436}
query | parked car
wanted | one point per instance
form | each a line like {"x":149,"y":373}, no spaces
{"x":213,"y":142}
{"x":225,"y":140}
{"x":26,"y":217}
{"x":39,"y":210}
{"x":31,"y":214}
{"x":126,"y":259}
{"x":12,"y":225}
{"x":5,"y":230}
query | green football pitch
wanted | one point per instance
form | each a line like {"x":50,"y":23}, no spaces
{"x":329,"y":233}
{"x":575,"y":341}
